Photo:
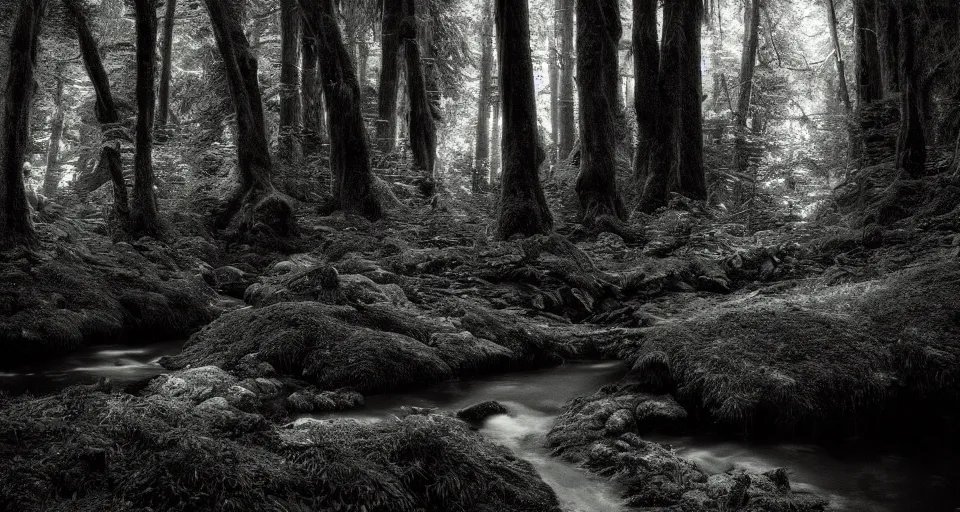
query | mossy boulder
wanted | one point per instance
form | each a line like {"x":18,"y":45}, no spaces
{"x":306,"y":340}
{"x":88,"y":451}
{"x":478,"y":413}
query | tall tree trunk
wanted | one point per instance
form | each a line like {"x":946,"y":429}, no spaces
{"x":352,"y":177}
{"x":163,"y":110}
{"x":144,"y":213}
{"x":254,"y":203}
{"x":496,"y":155}
{"x":690,"y":180}
{"x":423,"y":131}
{"x":568,"y":132}
{"x":888,"y":44}
{"x":16,"y":227}
{"x":911,"y":142}
{"x":646,"y":64}
{"x":664,"y":152}
{"x":289,"y":145}
{"x":748,"y":58}
{"x":869,"y":79}
{"x":311,"y":96}
{"x":106,"y":111}
{"x":389,"y":75}
{"x":598,"y":42}
{"x":523,"y":207}
{"x":51,"y":178}
{"x":482,"y":150}
{"x":837,"y":56}
{"x":363,"y":56}
{"x":553,"y":54}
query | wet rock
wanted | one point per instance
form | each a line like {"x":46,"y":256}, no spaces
{"x":478,"y":413}
{"x":218,"y":411}
{"x":468,"y":354}
{"x":232,"y":281}
{"x":194,"y":385}
{"x":659,"y":413}
{"x":619,"y":422}
{"x":316,"y":401}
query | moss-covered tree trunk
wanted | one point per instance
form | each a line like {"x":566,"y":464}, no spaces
{"x":144,"y":213}
{"x":748,"y":58}
{"x":106,"y":111}
{"x":481,"y":159}
{"x":568,"y":131}
{"x":523,"y":208}
{"x":496,"y":156}
{"x":255,"y":203}
{"x":598,"y":41}
{"x":911,"y":142}
{"x":311,"y":97}
{"x":888,"y":44}
{"x":389,"y":74}
{"x":553,"y":54}
{"x":869,"y":79}
{"x":288,"y":142}
{"x":166,"y":66}
{"x":16,"y":227}
{"x":352,"y":177}
{"x":646,"y":64}
{"x":422,"y":129}
{"x":51,"y":178}
{"x":690,"y":180}
{"x":664,"y":151}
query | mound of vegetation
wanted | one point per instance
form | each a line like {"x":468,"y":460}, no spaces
{"x":86,"y":450}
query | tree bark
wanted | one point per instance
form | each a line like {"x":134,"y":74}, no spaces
{"x":163,"y":110}
{"x":389,"y":75}
{"x":16,"y":227}
{"x":664,"y":153}
{"x":869,"y":79}
{"x":568,"y":133}
{"x":888,"y":44}
{"x":554,"y":69}
{"x":690,"y":180}
{"x":482,"y":150}
{"x":144,"y":213}
{"x":290,"y":114}
{"x":255,"y":203}
{"x":423,"y":131}
{"x":51,"y":178}
{"x":646,"y":64}
{"x":352,"y":177}
{"x":838,"y":56}
{"x":748,"y":58}
{"x":496,"y":156}
{"x":311,"y":97}
{"x":106,"y":111}
{"x":523,"y":207}
{"x":363,"y":56}
{"x":911,"y":141}
{"x":598,"y":42}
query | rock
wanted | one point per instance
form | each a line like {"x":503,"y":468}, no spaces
{"x":478,"y":413}
{"x":195,"y":385}
{"x":467,"y":354}
{"x":310,"y":341}
{"x":318,"y":283}
{"x":618,"y":423}
{"x":312,"y":400}
{"x":659,"y":412}
{"x":218,"y":411}
{"x":232,"y":281}
{"x":357,"y":288}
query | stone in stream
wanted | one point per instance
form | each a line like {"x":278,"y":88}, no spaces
{"x":478,"y":413}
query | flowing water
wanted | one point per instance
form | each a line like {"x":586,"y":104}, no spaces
{"x":855,"y":481}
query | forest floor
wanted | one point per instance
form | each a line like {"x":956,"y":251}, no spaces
{"x":844,"y":327}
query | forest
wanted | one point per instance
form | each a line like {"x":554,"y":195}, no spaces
{"x":479,"y":255}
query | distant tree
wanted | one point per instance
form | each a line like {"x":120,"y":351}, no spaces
{"x":51,"y":178}
{"x":16,"y":227}
{"x":392,"y":12}
{"x":311,"y":98}
{"x":352,"y":178}
{"x":523,"y":207}
{"x":144,"y":213}
{"x":598,"y":43}
{"x":166,"y":66}
{"x":422,"y":129}
{"x":482,"y":150}
{"x":748,"y":61}
{"x":290,"y":108}
{"x":568,"y":132}
{"x":911,"y":141}
{"x":255,"y":202}
{"x":106,"y":111}
{"x":646,"y":57}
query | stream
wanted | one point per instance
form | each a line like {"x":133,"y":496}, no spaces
{"x":854,"y":481}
